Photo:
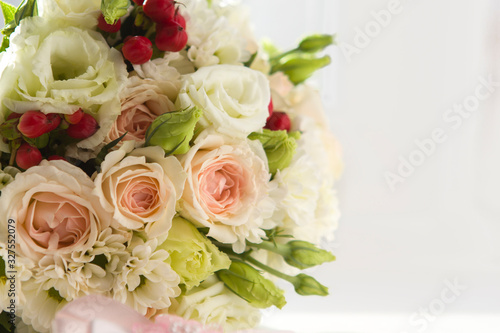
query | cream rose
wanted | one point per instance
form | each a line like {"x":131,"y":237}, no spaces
{"x":61,"y":69}
{"x":227,"y":188}
{"x":142,"y":101}
{"x":234,"y":99}
{"x":54,"y":210}
{"x":140,"y":188}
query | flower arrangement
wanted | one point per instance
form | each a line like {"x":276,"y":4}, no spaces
{"x":153,"y":154}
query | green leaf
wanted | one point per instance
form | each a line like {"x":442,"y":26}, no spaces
{"x":113,"y":10}
{"x":40,"y":142}
{"x":5,"y":43}
{"x":4,"y":322}
{"x":251,"y":60}
{"x":8,"y":12}
{"x":28,"y":9}
{"x":2,"y":267}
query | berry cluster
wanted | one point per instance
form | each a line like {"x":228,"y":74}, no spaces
{"x":31,"y":131}
{"x":277,"y":120}
{"x":168,"y":30}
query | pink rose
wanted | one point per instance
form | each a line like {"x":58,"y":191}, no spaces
{"x":54,"y":210}
{"x":142,"y":101}
{"x":227,"y":188}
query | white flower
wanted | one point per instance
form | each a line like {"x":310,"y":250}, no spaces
{"x":234,"y":99}
{"x":60,"y":71}
{"x":7,"y":176}
{"x":78,"y":13}
{"x":54,"y":210}
{"x":146,"y":281}
{"x":140,"y":188}
{"x":212,"y":39}
{"x":213,"y":304}
{"x":23,"y":271}
{"x":227,"y":188}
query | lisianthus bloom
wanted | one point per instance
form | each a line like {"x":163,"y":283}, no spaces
{"x":234,"y":99}
{"x":142,"y":100}
{"x":227,"y":188}
{"x":82,"y":14}
{"x":54,"y":210}
{"x":60,"y":70}
{"x":140,"y":188}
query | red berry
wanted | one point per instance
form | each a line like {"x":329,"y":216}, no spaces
{"x":160,"y":11}
{"x":179,"y":19}
{"x":270,"y":107}
{"x":53,"y":121}
{"x":137,"y":50}
{"x":85,"y":128}
{"x":105,"y":26}
{"x":14,"y":115}
{"x":278,"y":121}
{"x":139,"y":2}
{"x":75,"y":117}
{"x":171,"y":37}
{"x":32,"y":124}
{"x":28,"y":156}
{"x":55,"y":158}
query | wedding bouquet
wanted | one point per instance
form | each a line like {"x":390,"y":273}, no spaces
{"x":154,"y":155}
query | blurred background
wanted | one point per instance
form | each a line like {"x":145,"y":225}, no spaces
{"x":413,"y":96}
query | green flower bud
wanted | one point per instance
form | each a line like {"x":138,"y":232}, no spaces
{"x":7,"y":176}
{"x":173,"y":130}
{"x":302,"y":254}
{"x":247,"y":282}
{"x":279,"y":146}
{"x":114,"y":9}
{"x":300,"y":67}
{"x":315,"y":43}
{"x":193,"y":256}
{"x":307,"y":285}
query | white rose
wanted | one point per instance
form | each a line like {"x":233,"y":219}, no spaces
{"x":77,"y":13}
{"x":234,"y":99}
{"x":140,"y":188}
{"x":213,"y":304}
{"x":227,"y":188}
{"x":61,"y":71}
{"x":54,"y":210}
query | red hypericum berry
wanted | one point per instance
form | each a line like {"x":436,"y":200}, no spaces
{"x":53,"y":121}
{"x":105,"y":26}
{"x":270,"y":107}
{"x":170,"y":37}
{"x":179,"y":19}
{"x":85,"y":128}
{"x":14,"y":115}
{"x":278,"y":121}
{"x":28,"y":156}
{"x":139,"y":2}
{"x":75,"y":117}
{"x":32,"y":124}
{"x":160,"y":11}
{"x":55,"y":158}
{"x":137,"y":50}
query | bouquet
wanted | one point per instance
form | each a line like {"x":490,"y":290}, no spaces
{"x":153,"y":154}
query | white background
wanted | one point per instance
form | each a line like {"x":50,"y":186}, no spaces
{"x":397,"y":248}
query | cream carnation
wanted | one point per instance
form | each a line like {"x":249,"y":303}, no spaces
{"x":54,"y":210}
{"x":227,"y":188}
{"x":140,"y":188}
{"x":234,"y":99}
{"x":213,"y":304}
{"x":61,"y":71}
{"x":142,"y":101}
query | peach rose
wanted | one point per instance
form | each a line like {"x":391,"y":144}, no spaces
{"x":227,"y":188}
{"x":140,"y":188}
{"x":142,"y":101}
{"x":54,"y":210}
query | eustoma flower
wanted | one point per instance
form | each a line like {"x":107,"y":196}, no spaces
{"x":227,"y":188}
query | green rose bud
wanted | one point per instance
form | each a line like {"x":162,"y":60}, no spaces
{"x":114,"y":9}
{"x":173,"y":130}
{"x":307,"y":285}
{"x":193,"y":256}
{"x":247,"y":282}
{"x":315,"y":43}
{"x":302,"y":254}
{"x":279,"y":146}
{"x":300,"y":67}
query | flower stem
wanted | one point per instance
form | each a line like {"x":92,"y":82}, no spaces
{"x":291,"y":279}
